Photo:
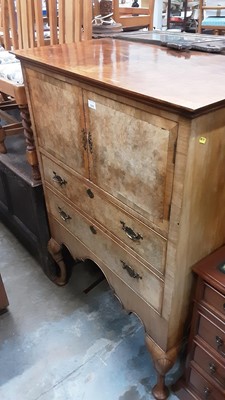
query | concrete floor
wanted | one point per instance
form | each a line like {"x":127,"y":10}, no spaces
{"x":62,"y":344}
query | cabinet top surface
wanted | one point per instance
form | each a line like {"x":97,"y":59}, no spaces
{"x":189,"y":81}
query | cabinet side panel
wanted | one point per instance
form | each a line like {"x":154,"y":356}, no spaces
{"x":201,"y":226}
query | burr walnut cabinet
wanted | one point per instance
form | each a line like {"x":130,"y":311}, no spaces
{"x":132,"y":159}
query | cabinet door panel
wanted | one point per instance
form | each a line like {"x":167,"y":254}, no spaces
{"x":131,"y":155}
{"x":58,"y":119}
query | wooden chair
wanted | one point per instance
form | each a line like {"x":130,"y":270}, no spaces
{"x":211,"y":16}
{"x":133,"y":17}
{"x":68,"y":21}
{"x":95,"y":8}
{"x":11,"y":94}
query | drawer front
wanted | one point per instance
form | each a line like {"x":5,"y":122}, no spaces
{"x":204,"y":388}
{"x":214,"y":335}
{"x":211,"y":366}
{"x":125,"y":266}
{"x":214,"y":299}
{"x":146,"y":243}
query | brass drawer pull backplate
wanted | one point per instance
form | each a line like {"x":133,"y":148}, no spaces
{"x":63,"y":215}
{"x":130,"y":271}
{"x":136,"y":237}
{"x":56,"y":178}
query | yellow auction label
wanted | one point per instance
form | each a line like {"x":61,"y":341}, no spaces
{"x":202,"y":140}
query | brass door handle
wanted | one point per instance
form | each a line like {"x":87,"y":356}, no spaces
{"x":130,"y":271}
{"x":90,"y":142}
{"x":57,"y":178}
{"x":63,"y":214}
{"x":136,"y":237}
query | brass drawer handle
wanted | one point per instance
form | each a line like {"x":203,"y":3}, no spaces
{"x":130,"y":271}
{"x":56,"y":178}
{"x":206,"y":392}
{"x":63,"y":215}
{"x":219,"y":343}
{"x":213,"y":372}
{"x":130,"y":233}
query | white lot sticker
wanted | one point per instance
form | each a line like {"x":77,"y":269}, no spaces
{"x":92,"y":104}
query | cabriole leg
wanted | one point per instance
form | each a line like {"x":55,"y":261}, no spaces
{"x":163,"y":362}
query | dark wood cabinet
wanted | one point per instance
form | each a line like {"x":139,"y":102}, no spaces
{"x":205,"y":369}
{"x":22,"y":205}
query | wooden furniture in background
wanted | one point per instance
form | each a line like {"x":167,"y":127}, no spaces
{"x":68,"y":23}
{"x":24,"y":28}
{"x":95,"y":8}
{"x":12,"y":39}
{"x":133,"y":171}
{"x":22,"y":205}
{"x":3,"y":297}
{"x":216,"y":8}
{"x":205,"y":370}
{"x":133,"y":17}
{"x":1,"y":20}
{"x":13,"y":127}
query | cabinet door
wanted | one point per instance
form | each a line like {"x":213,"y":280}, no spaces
{"x":131,"y":155}
{"x":59,"y":119}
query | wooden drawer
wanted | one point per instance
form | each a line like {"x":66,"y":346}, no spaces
{"x":203,"y":387}
{"x":150,"y":246}
{"x":214,"y":300}
{"x":212,"y":331}
{"x":211,"y":366}
{"x":124,"y":265}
